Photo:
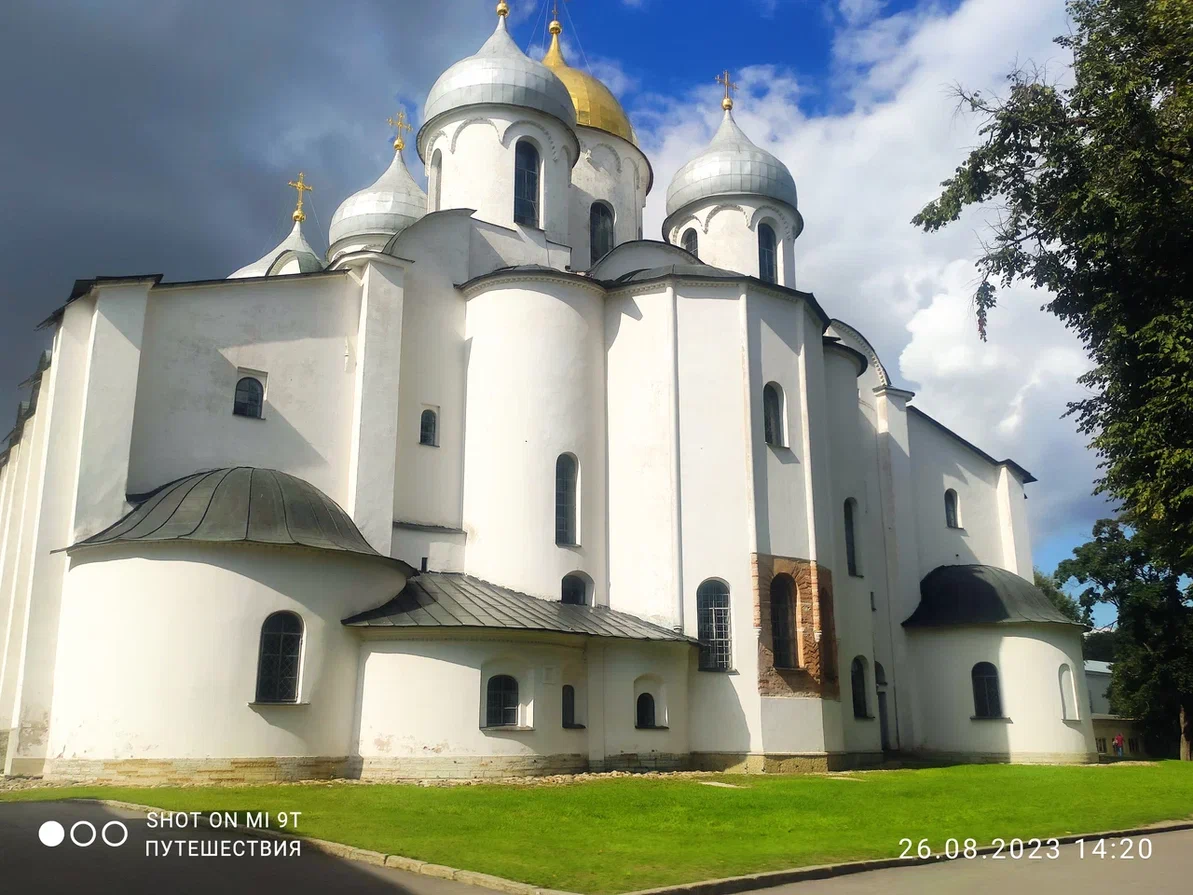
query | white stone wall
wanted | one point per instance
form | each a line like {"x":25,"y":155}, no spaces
{"x":610,"y":170}
{"x":727,"y":233}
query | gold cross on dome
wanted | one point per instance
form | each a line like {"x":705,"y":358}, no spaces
{"x":402,"y":125}
{"x":723,"y":78}
{"x":299,"y":215}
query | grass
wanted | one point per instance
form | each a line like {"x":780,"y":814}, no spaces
{"x":624,"y":833}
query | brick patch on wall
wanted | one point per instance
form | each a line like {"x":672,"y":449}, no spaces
{"x":815,"y":632}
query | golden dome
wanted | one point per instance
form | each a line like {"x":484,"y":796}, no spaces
{"x":596,"y":106}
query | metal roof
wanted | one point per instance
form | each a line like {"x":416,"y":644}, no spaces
{"x":241,"y":504}
{"x":981,"y":595}
{"x":453,"y":600}
{"x":1097,"y":667}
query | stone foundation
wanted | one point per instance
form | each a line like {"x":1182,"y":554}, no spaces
{"x":155,"y":771}
{"x":469,"y":767}
{"x":1005,"y":757}
{"x":784,"y":763}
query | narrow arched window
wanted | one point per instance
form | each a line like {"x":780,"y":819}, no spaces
{"x":1068,"y":695}
{"x":569,"y":706}
{"x":250,"y":397}
{"x":851,"y":538}
{"x":435,"y":180}
{"x":600,"y":231}
{"x":768,"y":262}
{"x":501,"y":701}
{"x":428,"y":428}
{"x":526,"y":184}
{"x":782,"y":620}
{"x":772,"y":414}
{"x":566,"y":473}
{"x":279,"y":658}
{"x":857,"y":683}
{"x":574,"y":591}
{"x":879,"y":675}
{"x":712,"y":625}
{"x":691,"y":243}
{"x":645,"y":711}
{"x":986,"y":700}
{"x":951,"y":519}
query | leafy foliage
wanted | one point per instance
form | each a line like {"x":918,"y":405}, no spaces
{"x":1062,"y":601}
{"x":1100,"y":645}
{"x":1152,"y":676}
{"x":1094,"y":184}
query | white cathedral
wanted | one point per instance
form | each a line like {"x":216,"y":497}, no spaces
{"x":498,"y":486}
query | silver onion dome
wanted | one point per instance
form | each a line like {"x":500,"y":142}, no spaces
{"x":499,"y":73}
{"x":294,"y":246}
{"x":731,"y":166}
{"x":384,"y":209}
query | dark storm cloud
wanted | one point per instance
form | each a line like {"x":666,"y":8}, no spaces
{"x":158,"y":137}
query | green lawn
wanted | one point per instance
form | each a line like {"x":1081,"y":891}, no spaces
{"x":632,"y":833}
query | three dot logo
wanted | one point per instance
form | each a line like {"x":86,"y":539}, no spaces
{"x":83,"y":833}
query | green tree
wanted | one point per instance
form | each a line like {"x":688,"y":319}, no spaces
{"x":1099,"y":645}
{"x":1062,"y":601}
{"x":1094,"y":186}
{"x":1152,"y":676}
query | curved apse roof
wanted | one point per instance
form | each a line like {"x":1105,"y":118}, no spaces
{"x":981,"y":595}
{"x":241,"y":504}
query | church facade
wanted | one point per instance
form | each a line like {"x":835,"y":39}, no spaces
{"x":498,"y":486}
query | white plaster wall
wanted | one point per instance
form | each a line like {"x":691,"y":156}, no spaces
{"x":157,"y":654}
{"x":478,"y":143}
{"x":611,"y":170}
{"x":1028,"y":658}
{"x":1016,"y":535}
{"x":664,"y":664}
{"x":727,"y":233}
{"x":798,"y":724}
{"x":536,"y":389}
{"x":940,"y":462}
{"x":300,"y":332}
{"x":642,"y":499}
{"x":444,"y":549}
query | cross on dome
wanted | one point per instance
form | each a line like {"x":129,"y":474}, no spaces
{"x":299,"y":215}
{"x":402,"y":125}
{"x":723,"y":78}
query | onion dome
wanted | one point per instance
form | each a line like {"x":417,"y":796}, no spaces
{"x":596,"y":106}
{"x":381,"y":211}
{"x":241,"y":504}
{"x":498,"y":74}
{"x":731,"y":166}
{"x":293,"y":248}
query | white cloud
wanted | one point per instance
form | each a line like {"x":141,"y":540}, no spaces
{"x":863,"y":170}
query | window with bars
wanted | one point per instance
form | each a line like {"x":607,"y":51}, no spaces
{"x":428,"y":428}
{"x":986,"y":701}
{"x":600,"y":231}
{"x":526,"y":184}
{"x":280,"y":655}
{"x":566,"y":473}
{"x":768,"y":261}
{"x":1100,"y":744}
{"x":712,"y":623}
{"x":691,"y":242}
{"x":249,"y":399}
{"x":782,"y":621}
{"x":501,"y":701}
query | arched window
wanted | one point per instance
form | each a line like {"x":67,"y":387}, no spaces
{"x":501,"y":701}
{"x":569,"y":706}
{"x":645,"y":711}
{"x":250,"y":397}
{"x":772,"y":414}
{"x":1068,"y":695}
{"x":768,"y":269}
{"x":565,"y":500}
{"x":526,"y":184}
{"x":857,"y":683}
{"x":951,"y":519}
{"x":435,"y":180}
{"x":691,"y":242}
{"x":428,"y":428}
{"x":600,"y":231}
{"x":851,"y":538}
{"x":574,"y":591}
{"x":986,"y":701}
{"x":712,"y":625}
{"x":279,"y":658}
{"x":879,"y":675}
{"x":782,"y":620}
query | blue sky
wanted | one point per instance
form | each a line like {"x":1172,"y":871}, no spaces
{"x":160,"y":139}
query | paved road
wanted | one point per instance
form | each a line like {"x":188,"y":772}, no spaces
{"x":26,"y":865}
{"x":1169,"y":870}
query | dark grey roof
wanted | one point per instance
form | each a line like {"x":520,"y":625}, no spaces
{"x":452,"y":600}
{"x":981,"y":595}
{"x":241,"y":504}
